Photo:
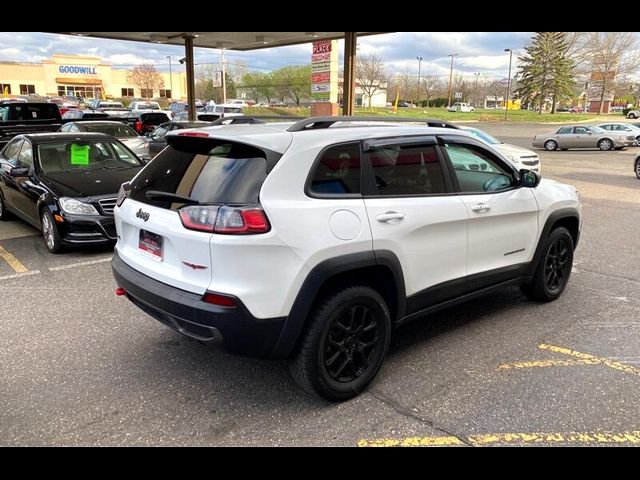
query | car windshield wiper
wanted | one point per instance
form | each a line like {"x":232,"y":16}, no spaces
{"x":158,"y":195}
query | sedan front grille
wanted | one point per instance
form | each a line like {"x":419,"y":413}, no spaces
{"x":107,"y":205}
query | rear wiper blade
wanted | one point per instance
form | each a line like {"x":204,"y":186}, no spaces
{"x":158,"y":195}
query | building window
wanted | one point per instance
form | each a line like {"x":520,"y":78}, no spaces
{"x":3,"y":86}
{"x":165,"y":93}
{"x":146,"y":93}
{"x":127,"y":92}
{"x":27,"y":89}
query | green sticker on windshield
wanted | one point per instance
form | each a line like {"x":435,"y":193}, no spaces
{"x":79,"y":154}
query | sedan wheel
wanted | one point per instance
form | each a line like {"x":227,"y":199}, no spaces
{"x":638,"y":168}
{"x":550,"y":145}
{"x":50,"y":233}
{"x":605,"y":144}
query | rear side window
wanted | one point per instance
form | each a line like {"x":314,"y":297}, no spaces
{"x":223,"y":173}
{"x":565,"y":130}
{"x":407,"y":170}
{"x":338,"y":171}
{"x":157,"y":118}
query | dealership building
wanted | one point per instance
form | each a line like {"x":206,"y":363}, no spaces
{"x":81,"y":76}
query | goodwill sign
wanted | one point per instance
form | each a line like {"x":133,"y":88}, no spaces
{"x":76,"y":69}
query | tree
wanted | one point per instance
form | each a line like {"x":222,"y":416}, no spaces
{"x":370,"y":74}
{"x":496,"y":88}
{"x":546,"y":70}
{"x":609,"y":54}
{"x":292,"y":82}
{"x":146,"y":78}
{"x":430,"y":85}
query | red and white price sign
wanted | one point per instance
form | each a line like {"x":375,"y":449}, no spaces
{"x":322,"y":46}
{"x":324,"y":77}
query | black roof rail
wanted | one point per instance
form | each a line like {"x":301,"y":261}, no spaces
{"x":252,"y":119}
{"x":326,"y":122}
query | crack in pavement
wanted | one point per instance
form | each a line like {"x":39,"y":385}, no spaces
{"x":406,"y":412}
{"x":611,"y":275}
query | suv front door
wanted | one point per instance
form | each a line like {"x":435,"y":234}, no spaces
{"x":503,"y":217}
{"x":414,"y":213}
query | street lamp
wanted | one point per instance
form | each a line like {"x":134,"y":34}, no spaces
{"x":418,"y":95}
{"x":170,"y":76}
{"x":506,"y":105}
{"x":451,"y":77}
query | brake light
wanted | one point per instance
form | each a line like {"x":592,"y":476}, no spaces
{"x":220,"y":300}
{"x":194,"y":134}
{"x":225,"y":220}
{"x":138,"y":126}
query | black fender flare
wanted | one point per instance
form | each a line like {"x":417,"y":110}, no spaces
{"x":297,"y":318}
{"x":568,"y":212}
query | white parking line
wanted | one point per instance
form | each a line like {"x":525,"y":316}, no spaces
{"x":18,"y":275}
{"x":80,"y":264}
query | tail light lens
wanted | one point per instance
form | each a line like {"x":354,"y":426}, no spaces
{"x":138,"y":126}
{"x":123,"y":193}
{"x":225,"y":219}
{"x":219,"y":299}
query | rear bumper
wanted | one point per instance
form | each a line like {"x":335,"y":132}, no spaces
{"x":234,"y":329}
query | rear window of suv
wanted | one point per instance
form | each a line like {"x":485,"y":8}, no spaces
{"x":222,"y":173}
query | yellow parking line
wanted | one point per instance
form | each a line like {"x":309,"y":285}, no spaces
{"x":586,"y":438}
{"x":546,"y":363}
{"x":623,"y":367}
{"x":12,"y":261}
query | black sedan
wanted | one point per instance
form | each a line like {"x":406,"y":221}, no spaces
{"x":157,"y":140}
{"x":66,"y":185}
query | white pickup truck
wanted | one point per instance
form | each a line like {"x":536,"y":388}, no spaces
{"x":460,"y":107}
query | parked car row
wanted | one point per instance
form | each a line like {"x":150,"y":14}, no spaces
{"x":614,"y":137}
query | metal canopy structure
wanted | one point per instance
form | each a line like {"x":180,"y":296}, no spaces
{"x":242,"y":41}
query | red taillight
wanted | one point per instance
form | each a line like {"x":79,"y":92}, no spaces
{"x":225,"y":220}
{"x":138,"y":126}
{"x":120,"y":291}
{"x":220,"y":300}
{"x":194,"y":134}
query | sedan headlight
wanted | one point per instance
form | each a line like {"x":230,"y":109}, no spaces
{"x":76,"y":207}
{"x":513,"y":158}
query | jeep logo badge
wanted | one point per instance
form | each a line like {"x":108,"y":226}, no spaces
{"x":143,"y":215}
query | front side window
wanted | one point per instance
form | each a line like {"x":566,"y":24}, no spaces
{"x":407,"y":170}
{"x":477,"y":170}
{"x":581,"y":130}
{"x":338,"y":171}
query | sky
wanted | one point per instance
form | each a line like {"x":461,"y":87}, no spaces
{"x":478,"y":52}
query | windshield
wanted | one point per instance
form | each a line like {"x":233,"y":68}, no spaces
{"x":483,"y":136}
{"x":84,"y":155}
{"x":118,"y":131}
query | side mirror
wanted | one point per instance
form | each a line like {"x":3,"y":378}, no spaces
{"x":19,"y":172}
{"x":529,"y":178}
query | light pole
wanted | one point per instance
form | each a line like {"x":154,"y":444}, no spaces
{"x":475,"y":89}
{"x":418,"y":95}
{"x":170,"y":77}
{"x":450,"y":78}
{"x":506,"y":105}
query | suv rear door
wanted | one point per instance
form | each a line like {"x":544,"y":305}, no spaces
{"x":414,"y":213}
{"x":212,"y":172}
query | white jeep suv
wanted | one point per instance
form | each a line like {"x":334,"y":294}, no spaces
{"x":312,"y":241}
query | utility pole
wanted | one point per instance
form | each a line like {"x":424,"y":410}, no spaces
{"x":170,"y":76}
{"x":506,"y":105}
{"x":451,"y":78}
{"x":475,"y":89}
{"x":224,"y":78}
{"x":418,"y":95}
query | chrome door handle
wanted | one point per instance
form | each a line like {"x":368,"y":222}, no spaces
{"x":390,"y":217}
{"x":480,"y":207}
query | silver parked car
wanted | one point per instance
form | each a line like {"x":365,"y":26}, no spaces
{"x":622,"y":128}
{"x":583,"y":136}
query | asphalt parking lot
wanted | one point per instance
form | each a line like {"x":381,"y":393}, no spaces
{"x":80,"y":366}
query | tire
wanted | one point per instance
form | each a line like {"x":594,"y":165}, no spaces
{"x":632,"y":115}
{"x":637,"y":168}
{"x":605,"y":145}
{"x":4,"y":214}
{"x":550,"y":145}
{"x":554,"y":269}
{"x":50,"y":232}
{"x":344,"y":344}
